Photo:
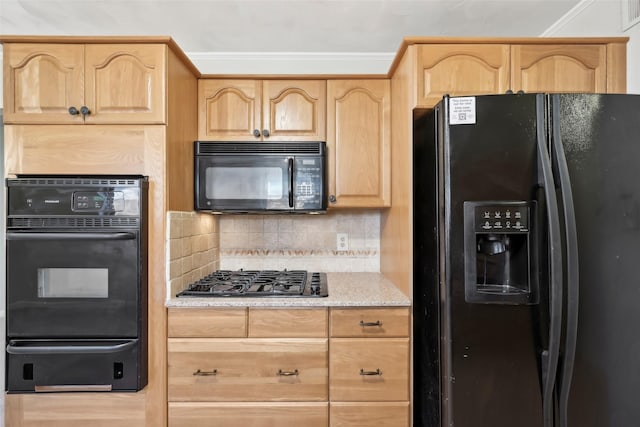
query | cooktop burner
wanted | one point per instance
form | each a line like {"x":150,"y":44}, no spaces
{"x":259,"y":283}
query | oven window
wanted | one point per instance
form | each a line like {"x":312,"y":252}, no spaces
{"x":73,"y":283}
{"x":253,"y":183}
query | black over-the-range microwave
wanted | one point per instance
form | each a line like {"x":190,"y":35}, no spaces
{"x":260,"y":177}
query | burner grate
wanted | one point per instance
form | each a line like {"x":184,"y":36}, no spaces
{"x":259,"y":283}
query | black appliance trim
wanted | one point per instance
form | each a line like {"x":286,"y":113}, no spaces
{"x":73,"y":222}
{"x":262,"y":148}
{"x":572,"y":266}
{"x":551,"y":356}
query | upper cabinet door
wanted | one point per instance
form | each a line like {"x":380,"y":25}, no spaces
{"x":76,"y":84}
{"x":294,"y":110}
{"x":459,"y":70}
{"x":229,"y":110}
{"x":359,"y":143}
{"x":42,"y":81}
{"x":559,"y":68}
{"x":125,"y":83}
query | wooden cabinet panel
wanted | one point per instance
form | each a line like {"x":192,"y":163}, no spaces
{"x":559,"y":68}
{"x":63,"y":409}
{"x":41,"y":82}
{"x":460,"y":70}
{"x":379,"y":414}
{"x":118,"y":84}
{"x":359,"y":143}
{"x":229,"y":110}
{"x":125,"y":83}
{"x":290,"y":414}
{"x":288,"y":323}
{"x":247,"y":369}
{"x":370,"y":322}
{"x":73,"y":150}
{"x":257,"y":110}
{"x":352,"y":358}
{"x":207,"y":322}
{"x":294,"y":110}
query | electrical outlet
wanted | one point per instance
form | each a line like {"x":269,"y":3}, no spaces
{"x":342,"y":241}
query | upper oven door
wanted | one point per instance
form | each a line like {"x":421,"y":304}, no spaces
{"x":244,"y":183}
{"x":73,"y":284}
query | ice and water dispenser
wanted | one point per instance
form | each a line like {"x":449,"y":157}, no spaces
{"x":500,"y":253}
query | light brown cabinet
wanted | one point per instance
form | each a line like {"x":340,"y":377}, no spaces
{"x":83,"y":83}
{"x":359,"y":143}
{"x":559,"y":68}
{"x":369,"y":367}
{"x":460,"y":70}
{"x":241,"y":375}
{"x":262,"y":110}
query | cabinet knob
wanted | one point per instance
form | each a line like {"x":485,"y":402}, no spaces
{"x":73,"y":111}
{"x":85,"y":110}
{"x":265,"y":133}
{"x":332,"y":198}
{"x":256,"y":133}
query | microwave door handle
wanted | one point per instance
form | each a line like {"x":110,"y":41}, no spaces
{"x":290,"y":182}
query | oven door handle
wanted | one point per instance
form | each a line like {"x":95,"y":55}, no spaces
{"x":30,"y":235}
{"x":14,"y":347}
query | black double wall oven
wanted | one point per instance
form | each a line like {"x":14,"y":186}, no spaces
{"x":76,"y":283}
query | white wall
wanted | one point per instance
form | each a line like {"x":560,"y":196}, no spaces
{"x":593,"y":18}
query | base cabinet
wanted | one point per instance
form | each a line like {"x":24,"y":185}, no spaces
{"x":379,"y":414}
{"x":369,"y":367}
{"x":289,"y":414}
{"x":226,"y":367}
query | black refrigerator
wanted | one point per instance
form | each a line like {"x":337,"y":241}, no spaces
{"x":526,"y":278}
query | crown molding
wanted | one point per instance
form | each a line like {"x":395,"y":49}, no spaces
{"x":291,"y":62}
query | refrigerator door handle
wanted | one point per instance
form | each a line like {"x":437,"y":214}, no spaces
{"x":550,"y":358}
{"x":572,"y":269}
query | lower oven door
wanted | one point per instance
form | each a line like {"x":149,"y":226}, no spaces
{"x":75,"y":365}
{"x":63,"y":284}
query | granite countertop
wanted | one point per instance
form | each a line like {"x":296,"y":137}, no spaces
{"x":345,"y":290}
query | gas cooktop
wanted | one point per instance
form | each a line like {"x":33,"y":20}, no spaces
{"x":259,"y":283}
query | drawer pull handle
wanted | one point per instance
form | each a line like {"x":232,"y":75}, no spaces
{"x":376,"y":323}
{"x":206,"y":373}
{"x":288,"y":373}
{"x":370,"y":373}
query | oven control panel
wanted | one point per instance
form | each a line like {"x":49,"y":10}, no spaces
{"x":98,"y":201}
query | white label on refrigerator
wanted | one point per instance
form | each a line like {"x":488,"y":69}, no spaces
{"x":462,"y":111}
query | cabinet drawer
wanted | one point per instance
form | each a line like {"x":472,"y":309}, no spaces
{"x":247,"y":369}
{"x":207,"y":322}
{"x":288,"y":414}
{"x":370,"y":322}
{"x":379,"y":414}
{"x":288,"y":323}
{"x":369,"y":369}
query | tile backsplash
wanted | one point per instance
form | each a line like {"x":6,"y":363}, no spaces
{"x":307,"y":242}
{"x":192,"y":245}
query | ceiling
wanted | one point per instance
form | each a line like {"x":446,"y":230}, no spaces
{"x":292,"y":26}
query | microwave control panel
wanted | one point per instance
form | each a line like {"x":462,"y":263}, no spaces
{"x":308,"y":182}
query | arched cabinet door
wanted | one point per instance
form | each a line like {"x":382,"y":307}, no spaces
{"x":42,"y":81}
{"x":559,"y":68}
{"x":460,"y":70}
{"x":229,"y":110}
{"x":359,"y":143}
{"x":125,"y":83}
{"x":294,"y":110}
{"x":48,"y":83}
